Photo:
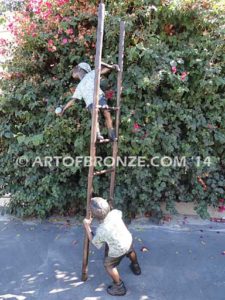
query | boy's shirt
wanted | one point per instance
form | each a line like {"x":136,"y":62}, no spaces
{"x":85,"y":89}
{"x":113,"y":232}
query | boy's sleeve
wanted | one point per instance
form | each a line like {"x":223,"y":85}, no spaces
{"x":97,"y":240}
{"x":77,"y":94}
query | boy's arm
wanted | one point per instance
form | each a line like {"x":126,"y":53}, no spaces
{"x":95,"y":239}
{"x":106,"y":68}
{"x":87,"y":223}
{"x":68,"y":105}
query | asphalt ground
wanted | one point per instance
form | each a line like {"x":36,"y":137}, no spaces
{"x":180,"y":260}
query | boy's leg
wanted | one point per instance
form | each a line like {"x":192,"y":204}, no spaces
{"x":99,"y":136}
{"x":134,"y":262}
{"x":108,"y":119}
{"x":117,"y":288}
{"x":109,"y":124}
{"x":110,"y":265}
{"x":114,"y":274}
{"x":132,"y":255}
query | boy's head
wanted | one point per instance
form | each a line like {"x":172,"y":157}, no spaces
{"x":81,"y":70}
{"x":99,"y":208}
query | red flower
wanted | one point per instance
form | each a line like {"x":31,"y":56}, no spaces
{"x":50,"y":43}
{"x":69,"y":31}
{"x":37,"y":11}
{"x":221,"y":209}
{"x":109,"y":94}
{"x":136,"y":127}
{"x":49,"y":5}
{"x":46,"y":14}
{"x":221,"y":205}
{"x":184,"y":75}
{"x":174,"y":70}
{"x":51,"y":46}
{"x":62,"y":2}
{"x":64,"y":41}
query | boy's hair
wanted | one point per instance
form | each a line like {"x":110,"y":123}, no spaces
{"x":82,"y":66}
{"x":99,"y":208}
{"x":77,"y":69}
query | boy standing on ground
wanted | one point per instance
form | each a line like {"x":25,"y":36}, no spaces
{"x":115,"y":234}
{"x":85,"y":90}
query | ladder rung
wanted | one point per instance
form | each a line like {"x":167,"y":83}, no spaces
{"x":109,"y":108}
{"x":113,"y":108}
{"x":105,"y":141}
{"x":104,"y":171}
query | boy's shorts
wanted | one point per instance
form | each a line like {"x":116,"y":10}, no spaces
{"x":115,"y":261}
{"x":102,"y":102}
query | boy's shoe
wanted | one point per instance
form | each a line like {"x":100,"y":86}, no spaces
{"x":112,"y":134}
{"x":116,"y":289}
{"x":99,"y":136}
{"x":135,"y":268}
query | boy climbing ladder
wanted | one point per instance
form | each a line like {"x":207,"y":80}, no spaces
{"x":85,"y":90}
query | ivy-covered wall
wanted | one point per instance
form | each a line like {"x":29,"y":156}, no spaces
{"x":173,"y":104}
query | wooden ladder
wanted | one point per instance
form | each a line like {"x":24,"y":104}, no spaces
{"x":94,"y":142}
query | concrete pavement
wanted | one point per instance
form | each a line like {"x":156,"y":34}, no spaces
{"x":42,"y":260}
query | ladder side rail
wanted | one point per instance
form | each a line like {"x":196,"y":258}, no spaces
{"x":120,"y":74}
{"x":98,"y":58}
{"x":119,"y":92}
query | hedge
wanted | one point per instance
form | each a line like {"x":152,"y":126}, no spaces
{"x":173,"y":105}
